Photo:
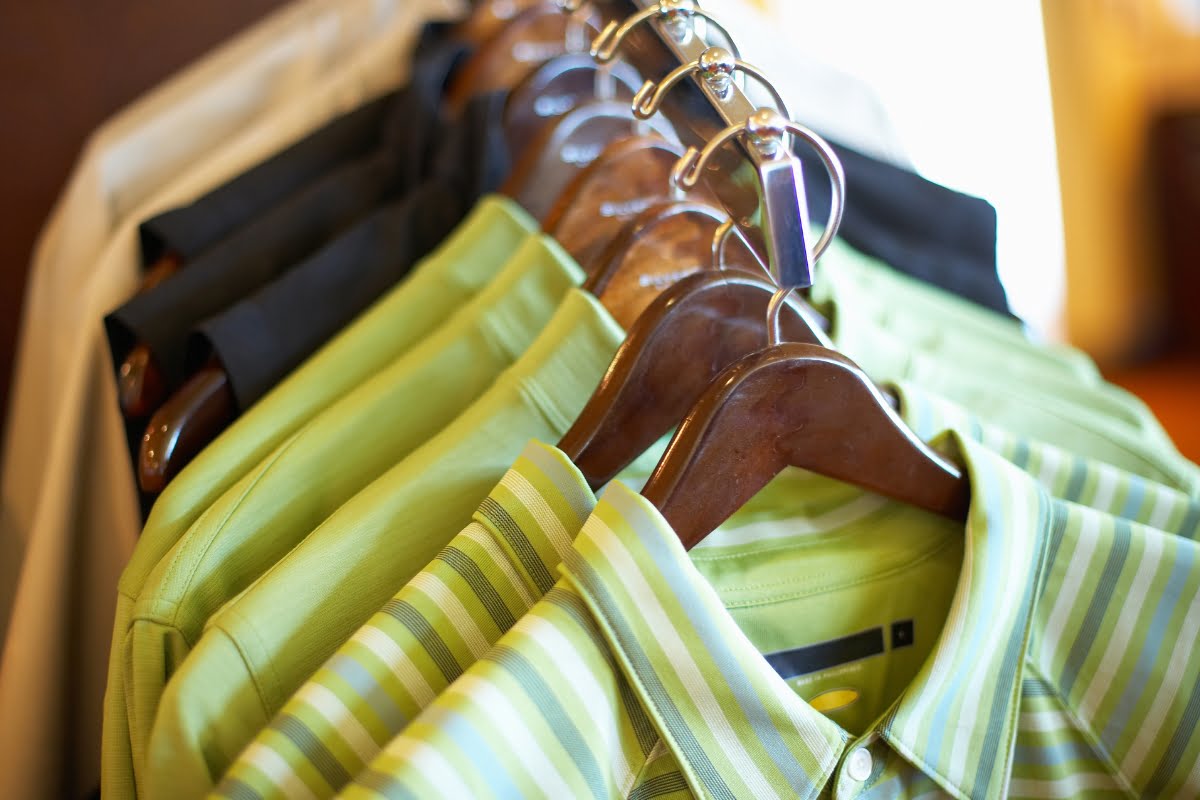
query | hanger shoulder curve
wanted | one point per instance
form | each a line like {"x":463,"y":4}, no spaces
{"x":794,"y":405}
{"x":184,"y":425}
{"x":673,"y":351}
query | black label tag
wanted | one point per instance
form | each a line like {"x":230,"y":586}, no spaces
{"x":836,"y":652}
{"x":822,"y":656}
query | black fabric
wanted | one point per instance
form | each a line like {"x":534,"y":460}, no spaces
{"x":918,"y":227}
{"x":265,"y":248}
{"x":262,"y":338}
{"x":188,"y":230}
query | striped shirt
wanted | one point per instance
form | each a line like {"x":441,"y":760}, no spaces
{"x":1067,"y":664}
{"x":341,"y":718}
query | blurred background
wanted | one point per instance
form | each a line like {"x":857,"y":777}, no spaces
{"x":1078,"y":119}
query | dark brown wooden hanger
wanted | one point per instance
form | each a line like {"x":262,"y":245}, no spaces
{"x":630,"y":175}
{"x":141,"y":384}
{"x":658,"y":247}
{"x":686,"y":336}
{"x":487,"y":18}
{"x":192,"y":417}
{"x":794,"y":405}
{"x":558,"y":86}
{"x":565,"y":146}
{"x":533,"y":37}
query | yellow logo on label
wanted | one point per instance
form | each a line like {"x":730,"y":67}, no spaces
{"x":834,"y":700}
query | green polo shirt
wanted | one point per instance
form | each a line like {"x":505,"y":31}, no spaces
{"x":934,"y":320}
{"x":441,"y":283}
{"x":1046,"y":649}
{"x":276,"y":504}
{"x":507,"y":557}
{"x":261,"y":648}
{"x":894,"y":323}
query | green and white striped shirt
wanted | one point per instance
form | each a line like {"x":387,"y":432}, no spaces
{"x":1063,"y":663}
{"x":366,"y":693}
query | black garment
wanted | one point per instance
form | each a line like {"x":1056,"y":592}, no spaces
{"x":262,"y":338}
{"x":265,"y":248}
{"x":918,"y":227}
{"x":188,"y":230}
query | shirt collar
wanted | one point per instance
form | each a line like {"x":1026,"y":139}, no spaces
{"x":734,"y":724}
{"x":536,"y":510}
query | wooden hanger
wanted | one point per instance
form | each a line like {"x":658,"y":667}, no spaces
{"x":567,"y":145}
{"x":487,"y":18}
{"x":794,"y":405}
{"x":192,"y":417}
{"x":558,"y":86}
{"x":141,"y":384}
{"x":199,"y":410}
{"x":534,"y":36}
{"x":661,"y":245}
{"x":630,"y":175}
{"x":687,"y":335}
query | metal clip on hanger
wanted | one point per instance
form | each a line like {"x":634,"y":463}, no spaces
{"x":681,"y":342}
{"x":766,"y":130}
{"x":676,"y":19}
{"x":791,"y":404}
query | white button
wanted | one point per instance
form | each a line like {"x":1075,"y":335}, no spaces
{"x":858,"y":765}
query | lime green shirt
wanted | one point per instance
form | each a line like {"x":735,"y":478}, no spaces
{"x":445,"y":280}
{"x":275,"y":505}
{"x":438,"y":625}
{"x":897,"y":329}
{"x":259,"y":648}
{"x":927,"y":318}
{"x":1046,"y":650}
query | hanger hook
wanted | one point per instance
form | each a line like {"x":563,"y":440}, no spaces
{"x":719,"y":240}
{"x":716,"y":66}
{"x":677,"y":18}
{"x":766,"y":128}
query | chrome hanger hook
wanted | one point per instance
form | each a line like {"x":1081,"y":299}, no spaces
{"x":766,"y":129}
{"x":719,"y":240}
{"x":716,"y":66}
{"x":677,"y":18}
{"x":774,"y":307}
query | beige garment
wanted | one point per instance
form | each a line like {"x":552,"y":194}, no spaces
{"x":69,"y":505}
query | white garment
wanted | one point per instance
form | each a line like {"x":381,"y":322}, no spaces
{"x":68,"y":505}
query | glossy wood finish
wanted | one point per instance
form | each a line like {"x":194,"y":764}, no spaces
{"x":192,"y":418}
{"x":661,"y":245}
{"x":488,"y":18}
{"x":629,"y":176}
{"x":531,"y":38}
{"x":689,"y":333}
{"x":141,"y":385}
{"x":794,"y":405}
{"x":559,"y":85}
{"x":567,"y":145}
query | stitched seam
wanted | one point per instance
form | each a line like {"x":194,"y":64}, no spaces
{"x":828,"y":587}
{"x":219,"y":529}
{"x":1084,"y":728}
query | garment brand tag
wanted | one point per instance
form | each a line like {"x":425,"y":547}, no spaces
{"x":828,"y":654}
{"x":837,"y":652}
